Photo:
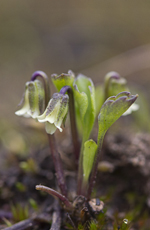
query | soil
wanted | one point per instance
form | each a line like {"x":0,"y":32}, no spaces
{"x":123,"y":184}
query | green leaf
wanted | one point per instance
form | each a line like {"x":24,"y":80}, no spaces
{"x":82,"y":102}
{"x":63,"y":79}
{"x":84,"y":93}
{"x":89,"y":151}
{"x":112,"y":109}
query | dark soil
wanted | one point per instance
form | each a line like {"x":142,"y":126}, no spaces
{"x":123,"y":183}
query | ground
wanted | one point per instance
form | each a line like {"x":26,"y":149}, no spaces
{"x":122,"y":183}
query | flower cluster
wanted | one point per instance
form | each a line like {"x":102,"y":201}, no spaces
{"x":86,"y":103}
{"x":33,"y":104}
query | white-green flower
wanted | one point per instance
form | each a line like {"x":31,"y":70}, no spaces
{"x":33,"y":100}
{"x":55,"y":113}
{"x":133,"y":107}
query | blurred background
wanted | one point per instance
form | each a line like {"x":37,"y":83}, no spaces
{"x":92,"y":37}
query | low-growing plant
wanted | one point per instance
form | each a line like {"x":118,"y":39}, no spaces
{"x":83,"y":101}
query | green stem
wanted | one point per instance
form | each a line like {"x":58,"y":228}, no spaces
{"x":95,"y":165}
{"x":80,"y":170}
{"x":74,"y":132}
{"x":84,"y":187}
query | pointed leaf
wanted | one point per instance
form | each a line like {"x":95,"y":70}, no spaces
{"x":82,"y":102}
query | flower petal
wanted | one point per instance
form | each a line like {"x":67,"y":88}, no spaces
{"x":62,"y":112}
{"x":42,"y":118}
{"x":55,"y":112}
{"x":52,"y":116}
{"x":22,"y":112}
{"x":50,"y":128}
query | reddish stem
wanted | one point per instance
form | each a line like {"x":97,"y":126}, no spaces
{"x":45,"y":79}
{"x":56,"y":194}
{"x":58,"y":165}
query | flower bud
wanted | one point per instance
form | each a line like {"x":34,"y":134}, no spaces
{"x":33,"y":100}
{"x":115,"y":84}
{"x":55,"y":113}
{"x":63,"y":79}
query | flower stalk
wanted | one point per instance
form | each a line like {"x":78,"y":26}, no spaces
{"x":45,"y":80}
{"x":80,"y":171}
{"x":58,"y":164}
{"x":74,"y":132}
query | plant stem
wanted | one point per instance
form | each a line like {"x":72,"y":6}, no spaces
{"x":80,"y":171}
{"x":56,"y":194}
{"x":74,"y":132}
{"x":58,"y":165}
{"x":95,"y":165}
{"x":80,"y":190}
{"x":51,"y":138}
